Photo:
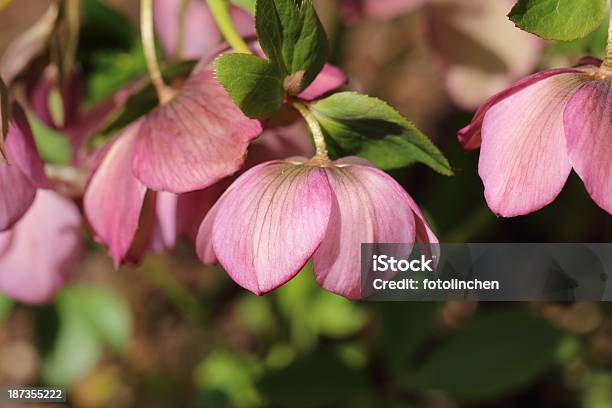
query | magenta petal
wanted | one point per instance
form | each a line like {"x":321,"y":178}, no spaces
{"x":23,"y":174}
{"x":269,"y":223}
{"x":329,"y":78}
{"x":114,"y":197}
{"x":41,"y":251}
{"x":193,"y":207}
{"x":523,"y":159}
{"x":194,"y":140}
{"x":470,"y":136}
{"x":588,"y":128}
{"x":368,"y":206}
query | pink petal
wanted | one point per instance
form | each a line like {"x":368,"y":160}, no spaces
{"x":165,"y":224}
{"x":368,"y":206}
{"x":114,"y":197}
{"x":330,"y":78}
{"x":588,"y":128}
{"x":480,"y":49}
{"x":470,"y":136}
{"x":42,"y":250}
{"x":269,"y":223}
{"x":23,"y":174}
{"x":193,"y":207}
{"x":523,"y":159}
{"x":194,"y":140}
{"x":200,"y":33}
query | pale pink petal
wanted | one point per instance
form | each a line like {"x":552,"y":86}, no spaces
{"x":114,"y":198}
{"x":588,"y":128}
{"x":194,"y":140}
{"x":329,"y":79}
{"x":200,"y":33}
{"x":480,"y":50}
{"x":165,"y":225}
{"x":368,"y":206}
{"x":470,"y":136}
{"x":204,"y":237}
{"x":523,"y":158}
{"x":24,"y":173}
{"x":43,"y":249}
{"x":269,"y":223}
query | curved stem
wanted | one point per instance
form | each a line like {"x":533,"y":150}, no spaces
{"x":164,"y":93}
{"x":220,"y":10}
{"x":607,"y":64}
{"x":315,"y":129}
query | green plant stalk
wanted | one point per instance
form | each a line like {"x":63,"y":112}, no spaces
{"x":316,"y":131}
{"x":164,"y":93}
{"x":220,"y":10}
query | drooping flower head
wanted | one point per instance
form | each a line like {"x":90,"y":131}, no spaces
{"x":533,"y":134}
{"x":280,"y":214}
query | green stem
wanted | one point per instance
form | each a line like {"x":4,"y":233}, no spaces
{"x":164,"y":93}
{"x":315,"y":129}
{"x":220,"y":10}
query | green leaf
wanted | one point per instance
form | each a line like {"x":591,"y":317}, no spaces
{"x":500,"y":351}
{"x":255,"y":85}
{"x":593,"y":44}
{"x":53,"y":146}
{"x":356,"y":124}
{"x":558,"y":19}
{"x":292,"y":36}
{"x":75,"y":332}
{"x":312,"y":381}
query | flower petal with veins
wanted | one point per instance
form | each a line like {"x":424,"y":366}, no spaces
{"x":588,"y":128}
{"x":196,"y":139}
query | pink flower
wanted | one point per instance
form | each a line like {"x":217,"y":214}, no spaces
{"x":280,"y":214}
{"x":42,"y":250}
{"x":194,"y":140}
{"x":533,"y":134}
{"x":123,"y":213}
{"x":477,"y":48}
{"x":24,"y":172}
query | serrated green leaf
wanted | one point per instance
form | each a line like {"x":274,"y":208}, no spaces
{"x":360,"y":125}
{"x":496,"y":353}
{"x":558,"y":19}
{"x":254,"y":84}
{"x":292,"y":36}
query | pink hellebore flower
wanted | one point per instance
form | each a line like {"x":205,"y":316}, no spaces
{"x":24,"y":172}
{"x":195,"y":139}
{"x":42,"y":250}
{"x":280,"y":214}
{"x":532,"y":135}
{"x":123,"y":213}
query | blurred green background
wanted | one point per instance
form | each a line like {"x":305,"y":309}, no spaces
{"x":173,"y":333}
